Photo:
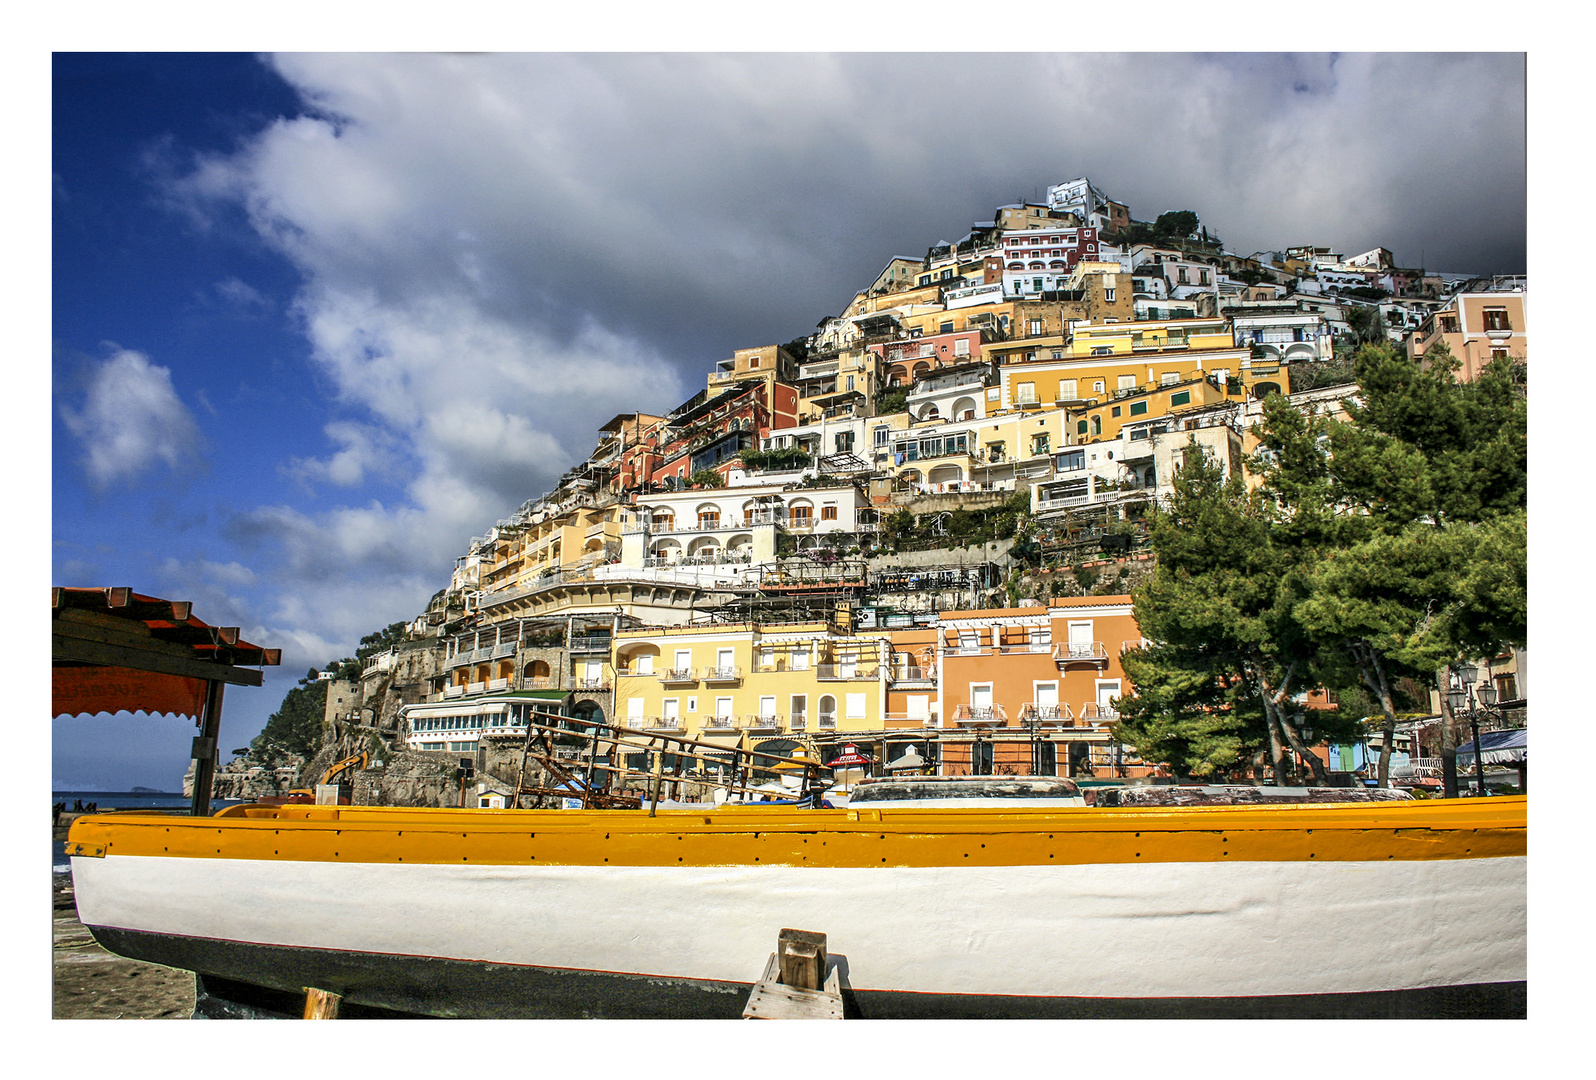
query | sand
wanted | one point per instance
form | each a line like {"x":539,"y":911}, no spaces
{"x":92,"y":984}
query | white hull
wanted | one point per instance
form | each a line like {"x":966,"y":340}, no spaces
{"x":1178,"y":930}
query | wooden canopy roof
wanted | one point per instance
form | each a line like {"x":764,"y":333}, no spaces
{"x":115,"y":649}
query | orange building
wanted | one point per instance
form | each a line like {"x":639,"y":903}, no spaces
{"x":1032,"y":690}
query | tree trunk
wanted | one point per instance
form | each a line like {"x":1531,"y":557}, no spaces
{"x":1376,"y":679}
{"x":1320,"y":776}
{"x":1449,"y":735}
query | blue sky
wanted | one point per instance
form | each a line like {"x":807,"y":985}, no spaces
{"x":318,"y":320}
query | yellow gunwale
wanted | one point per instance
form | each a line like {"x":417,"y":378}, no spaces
{"x":750,"y":836}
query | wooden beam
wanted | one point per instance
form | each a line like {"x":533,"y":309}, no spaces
{"x":321,"y":1004}
{"x":94,"y":652}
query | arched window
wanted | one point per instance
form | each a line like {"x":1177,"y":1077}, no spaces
{"x":828,"y":711}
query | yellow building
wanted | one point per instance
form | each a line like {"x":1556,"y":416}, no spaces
{"x":580,"y":537}
{"x":740,"y":684}
{"x":1095,"y":363}
{"x":772,"y":363}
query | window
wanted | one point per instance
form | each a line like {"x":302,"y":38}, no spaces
{"x":643,"y":664}
{"x":1496,"y":319}
{"x":1138,"y":408}
{"x":1066,"y":390}
{"x":798,"y":659}
{"x":844,"y":442}
{"x":856,"y":706}
{"x":1103,"y":350}
{"x":946,"y":328}
{"x":1182,"y":398}
{"x":1114,"y":411}
{"x":1070,"y":460}
{"x":1182,"y":273}
{"x":800,"y":710}
{"x":850,"y":382}
{"x":1025,"y":393}
{"x":1039,"y":445}
{"x":1034,"y":328}
{"x":800,"y":515}
{"x":1169,"y":378}
{"x":981,"y":758}
{"x":828,"y":711}
{"x":709,"y":519}
{"x":883,"y":434}
{"x":961,"y":347}
{"x":1127,"y":382}
{"x":828,"y":512}
{"x":994,"y":452}
{"x":1202,"y":277}
{"x":684,"y":660}
{"x":1097,"y":386}
{"x":1097,"y":425}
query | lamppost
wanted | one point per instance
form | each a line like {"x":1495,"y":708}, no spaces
{"x":1457,"y":697}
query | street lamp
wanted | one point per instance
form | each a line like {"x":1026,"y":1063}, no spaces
{"x":1456,"y":698}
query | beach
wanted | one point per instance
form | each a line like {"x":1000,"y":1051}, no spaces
{"x":91,"y":984}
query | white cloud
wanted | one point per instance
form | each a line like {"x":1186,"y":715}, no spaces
{"x":500,"y":252}
{"x":131,"y":420}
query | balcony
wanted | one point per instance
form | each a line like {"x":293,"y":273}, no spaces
{"x":590,"y":643}
{"x":972,"y":715}
{"x":1011,"y":648}
{"x":923,"y":719}
{"x":499,"y":684}
{"x":798,"y":723}
{"x":1080,"y":652}
{"x":590,"y":685}
{"x":678,"y":676}
{"x":762,"y":723}
{"x":902,"y":675}
{"x":723,"y":675}
{"x":454,"y":691}
{"x":837,"y":672}
{"x":827,"y":721}
{"x":663,"y":723}
{"x":537,"y":682}
{"x":719,"y":724}
{"x":1095,"y":713}
{"x":1046,"y":714}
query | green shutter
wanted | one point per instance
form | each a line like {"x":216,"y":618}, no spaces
{"x":1182,"y":398}
{"x":1138,"y":408}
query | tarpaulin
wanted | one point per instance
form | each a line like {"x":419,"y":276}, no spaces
{"x":79,"y":690}
{"x":1498,"y":747}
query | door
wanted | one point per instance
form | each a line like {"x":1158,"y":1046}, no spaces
{"x":1107,"y":692}
{"x":767,"y":709}
{"x":644,"y":664}
{"x":1080,"y":639}
{"x":1047,"y":702}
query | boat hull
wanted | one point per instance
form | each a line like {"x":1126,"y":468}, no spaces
{"x":1344,"y":911}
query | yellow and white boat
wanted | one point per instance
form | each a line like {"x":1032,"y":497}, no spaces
{"x":1413,"y":908}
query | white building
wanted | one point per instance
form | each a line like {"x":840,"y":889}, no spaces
{"x":737,"y":526}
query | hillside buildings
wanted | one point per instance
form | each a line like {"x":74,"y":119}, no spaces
{"x":723,"y":570}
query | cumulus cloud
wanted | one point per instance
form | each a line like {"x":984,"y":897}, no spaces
{"x":131,"y":420}
{"x":500,"y":252}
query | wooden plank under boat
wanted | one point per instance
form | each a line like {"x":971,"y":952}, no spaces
{"x":1413,"y":908}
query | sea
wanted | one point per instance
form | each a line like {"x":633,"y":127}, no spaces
{"x":173,"y":801}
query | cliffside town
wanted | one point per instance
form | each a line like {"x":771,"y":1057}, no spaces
{"x":916,"y":528}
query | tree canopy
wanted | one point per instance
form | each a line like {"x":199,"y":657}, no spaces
{"x":1377,"y":548}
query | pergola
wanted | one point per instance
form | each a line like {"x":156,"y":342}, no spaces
{"x":115,"y":650}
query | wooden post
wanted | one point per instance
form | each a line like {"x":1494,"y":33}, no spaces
{"x":659,"y":776}
{"x":321,"y":1004}
{"x":802,"y":954}
{"x":205,"y":748}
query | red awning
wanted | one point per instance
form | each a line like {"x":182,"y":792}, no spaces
{"x":115,"y":650}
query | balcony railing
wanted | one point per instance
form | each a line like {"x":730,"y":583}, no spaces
{"x":590,"y":643}
{"x":728,"y":674}
{"x":1046,"y":714}
{"x":499,"y":684}
{"x":1078,"y":652}
{"x":537,"y":682}
{"x":663,"y":723}
{"x":1094,"y":713}
{"x":720,"y":723}
{"x":913,"y":718}
{"x":799,"y":722}
{"x":453,"y":691}
{"x":678,"y":675}
{"x":590,"y":684}
{"x":847,"y":671}
{"x":1013,"y":647}
{"x":827,"y":720}
{"x":763,"y":722}
{"x":911,"y":674}
{"x":980,"y":714}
